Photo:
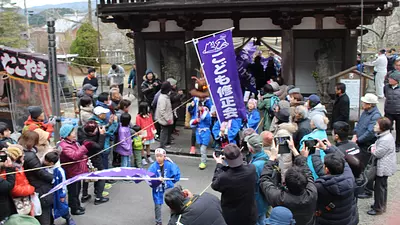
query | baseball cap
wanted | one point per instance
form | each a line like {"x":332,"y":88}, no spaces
{"x":100,"y":110}
{"x":88,"y":87}
{"x":255,"y":141}
{"x":233,"y":156}
{"x":315,"y":99}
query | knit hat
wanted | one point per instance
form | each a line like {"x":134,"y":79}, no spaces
{"x":252,"y":101}
{"x":275,"y":86}
{"x":166,"y":88}
{"x":280,"y":216}
{"x":66,"y":130}
{"x":320,"y":121}
{"x":15,"y":151}
{"x":35,"y":111}
{"x":255,"y":141}
{"x":294,"y":90}
{"x":395,"y":75}
{"x":149,"y":71}
{"x":233,"y":156}
{"x":284,"y":104}
{"x":283,"y":115}
{"x":314,"y":99}
{"x":172,"y":81}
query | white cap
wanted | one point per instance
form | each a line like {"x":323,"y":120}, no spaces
{"x":100,"y":110}
{"x":370,"y":99}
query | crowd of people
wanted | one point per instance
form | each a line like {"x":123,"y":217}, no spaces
{"x":276,"y":166}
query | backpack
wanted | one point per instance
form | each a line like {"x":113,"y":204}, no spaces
{"x":273,"y":103}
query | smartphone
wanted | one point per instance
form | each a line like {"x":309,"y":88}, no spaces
{"x":3,"y":156}
{"x":310,"y":144}
{"x":219,"y":152}
{"x":283,"y":145}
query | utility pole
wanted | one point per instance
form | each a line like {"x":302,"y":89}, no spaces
{"x":27,"y":22}
{"x":90,"y":12}
{"x":54,"y":83}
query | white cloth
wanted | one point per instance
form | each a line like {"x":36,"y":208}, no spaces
{"x":380,"y":83}
{"x":380,"y":64}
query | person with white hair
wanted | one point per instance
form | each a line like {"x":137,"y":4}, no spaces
{"x":303,"y":124}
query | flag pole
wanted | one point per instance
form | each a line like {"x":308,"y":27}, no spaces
{"x":208,"y":35}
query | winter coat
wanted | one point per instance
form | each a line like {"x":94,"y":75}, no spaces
{"x":232,"y":129}
{"x":97,"y":146}
{"x":253,"y":118}
{"x":40,"y":179}
{"x":259,"y":160}
{"x":85,"y":114}
{"x":22,"y":187}
{"x":282,"y":93}
{"x":205,"y":209}
{"x":146,"y":123}
{"x":102,"y":104}
{"x":341,"y":109}
{"x":116,"y":77}
{"x":315,"y":134}
{"x":339,"y":190}
{"x":91,"y":80}
{"x":176,"y":100}
{"x":385,"y":152}
{"x":194,"y":110}
{"x":203,"y":132}
{"x":318,"y":109}
{"x":110,"y":131}
{"x":43,"y":147}
{"x":7,"y":140}
{"x":171,"y":170}
{"x":132,"y":78}
{"x":286,"y":159}
{"x":148,"y":92}
{"x":348,"y":148}
{"x":392,"y":103}
{"x":264,"y":105}
{"x":124,"y":135}
{"x":302,"y":206}
{"x":32,"y":125}
{"x":6,"y":202}
{"x":303,"y":128}
{"x":155,"y":100}
{"x":365,"y":127}
{"x":73,"y":151}
{"x":237,"y":193}
{"x":164,"y":113}
{"x":60,"y":208}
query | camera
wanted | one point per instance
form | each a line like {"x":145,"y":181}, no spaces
{"x":283,"y":145}
{"x":219,"y":152}
{"x":3,"y":156}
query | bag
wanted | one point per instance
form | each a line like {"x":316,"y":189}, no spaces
{"x":23,"y":205}
{"x":37,"y":207}
{"x":370,"y":169}
{"x":273,"y":103}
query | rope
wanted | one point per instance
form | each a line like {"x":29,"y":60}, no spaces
{"x":100,"y":152}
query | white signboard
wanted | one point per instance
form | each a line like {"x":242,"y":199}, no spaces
{"x":353,"y":91}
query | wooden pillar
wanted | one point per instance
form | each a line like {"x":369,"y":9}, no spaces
{"x":191,"y":61}
{"x":288,"y":56}
{"x":140,"y":58}
{"x":350,"y":48}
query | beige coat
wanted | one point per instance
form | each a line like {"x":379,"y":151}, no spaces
{"x":86,"y":114}
{"x":164,"y":110}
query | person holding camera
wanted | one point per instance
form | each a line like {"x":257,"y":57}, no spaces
{"x":299,"y":194}
{"x":6,"y":185}
{"x":188,"y":208}
{"x":236,"y":183}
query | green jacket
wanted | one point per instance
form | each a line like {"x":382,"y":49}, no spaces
{"x":264,"y":105}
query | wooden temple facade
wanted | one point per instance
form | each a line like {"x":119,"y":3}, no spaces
{"x":307,"y":27}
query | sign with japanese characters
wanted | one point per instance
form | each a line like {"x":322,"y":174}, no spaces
{"x":218,"y":58}
{"x":25,"y":67}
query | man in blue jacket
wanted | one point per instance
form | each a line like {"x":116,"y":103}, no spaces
{"x":259,"y":158}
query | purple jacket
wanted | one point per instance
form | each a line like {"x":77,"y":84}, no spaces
{"x":125,"y":147}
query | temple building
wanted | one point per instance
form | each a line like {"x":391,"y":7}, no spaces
{"x":314,"y":33}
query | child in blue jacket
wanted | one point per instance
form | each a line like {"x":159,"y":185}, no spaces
{"x":162,"y":168}
{"x":229,"y":130}
{"x":253,"y":116}
{"x":60,"y":205}
{"x":203,"y":123}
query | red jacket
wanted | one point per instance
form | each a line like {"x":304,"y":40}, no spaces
{"x":33,"y":125}
{"x":146,"y":122}
{"x":22,"y":187}
{"x":71,"y":152}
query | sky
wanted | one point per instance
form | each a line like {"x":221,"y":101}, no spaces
{"x":31,"y":3}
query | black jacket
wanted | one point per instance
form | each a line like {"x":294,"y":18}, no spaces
{"x":7,"y":207}
{"x":348,"y":147}
{"x":98,"y":145}
{"x":40,"y":179}
{"x":205,"y":210}
{"x":302,"y":206}
{"x":93,"y":81}
{"x":337,"y":190}
{"x":392,"y":103}
{"x":149,"y":93}
{"x":238,"y":193}
{"x":303,"y":128}
{"x":341,"y":109}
